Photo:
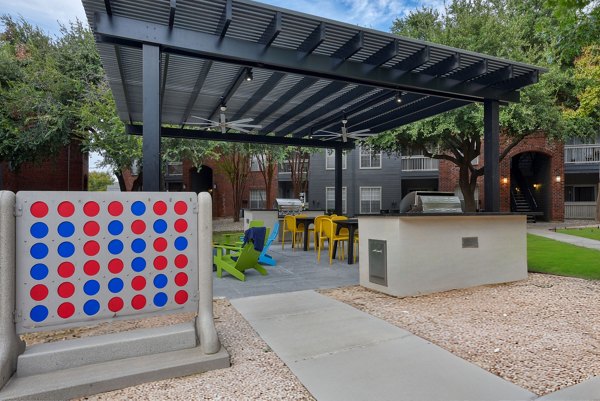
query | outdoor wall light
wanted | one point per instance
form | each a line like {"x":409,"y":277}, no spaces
{"x":505,"y":180}
{"x":557,"y":178}
{"x":537,"y":186}
{"x":249,"y":75}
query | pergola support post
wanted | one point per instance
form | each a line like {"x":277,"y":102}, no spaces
{"x":491,"y":137}
{"x":151,"y":116}
{"x":338,"y":180}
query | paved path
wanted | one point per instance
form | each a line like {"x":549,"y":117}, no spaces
{"x":341,"y":353}
{"x":570,"y":239}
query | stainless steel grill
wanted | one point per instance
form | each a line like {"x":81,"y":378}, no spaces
{"x":430,"y":202}
{"x":287,"y":206}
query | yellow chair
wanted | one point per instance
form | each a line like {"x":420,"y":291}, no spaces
{"x":356,"y":241}
{"x":289,"y":225}
{"x":317,"y":229}
{"x":343,"y":231}
{"x":328,"y":228}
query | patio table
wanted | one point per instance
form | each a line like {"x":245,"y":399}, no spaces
{"x":307,"y":221}
{"x":352,"y":226}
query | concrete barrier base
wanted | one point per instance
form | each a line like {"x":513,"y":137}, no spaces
{"x":106,"y":376}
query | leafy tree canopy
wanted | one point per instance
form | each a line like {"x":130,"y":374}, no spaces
{"x":99,"y":180}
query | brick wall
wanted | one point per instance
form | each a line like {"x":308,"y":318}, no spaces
{"x":448,"y":172}
{"x":67,"y":171}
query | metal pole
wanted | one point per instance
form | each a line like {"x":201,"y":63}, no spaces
{"x":338,"y":180}
{"x":151,"y":116}
{"x":491,"y":137}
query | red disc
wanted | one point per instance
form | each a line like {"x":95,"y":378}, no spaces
{"x":181,"y":297}
{"x":39,"y":209}
{"x":115,"y":208}
{"x":138,"y":302}
{"x":91,"y":248}
{"x":91,"y":228}
{"x":181,"y":261}
{"x":138,"y":227}
{"x":160,"y":208}
{"x":160,"y":244}
{"x":66,"y":209}
{"x":38,"y":292}
{"x":66,"y":290}
{"x":115,"y":266}
{"x":160,"y":262}
{"x":66,"y":310}
{"x":91,"y":209}
{"x":91,"y":267}
{"x":181,"y":279}
{"x":181,"y":225}
{"x":180,"y":207}
{"x":115,"y":304}
{"x":66,"y":269}
{"x":138,"y":283}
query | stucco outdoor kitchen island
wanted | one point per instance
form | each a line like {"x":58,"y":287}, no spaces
{"x":417,"y":253}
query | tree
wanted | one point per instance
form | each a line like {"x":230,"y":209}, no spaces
{"x":99,"y":180}
{"x":235,"y":164}
{"x":514,"y":29}
{"x":298,"y":159}
{"x":268,"y":158}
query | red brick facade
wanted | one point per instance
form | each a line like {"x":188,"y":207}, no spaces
{"x":222,"y":190}
{"x":554,"y":150}
{"x":67,"y":171}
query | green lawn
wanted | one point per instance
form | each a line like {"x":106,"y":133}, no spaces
{"x":590,"y":232}
{"x":548,"y":256}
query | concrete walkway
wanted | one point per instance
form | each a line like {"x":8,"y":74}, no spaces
{"x":570,"y":239}
{"x":341,"y":353}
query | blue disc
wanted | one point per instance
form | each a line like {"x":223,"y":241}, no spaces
{"x":115,"y":285}
{"x":39,"y":271}
{"x":160,"y":281}
{"x":38,"y":251}
{"x":91,"y":307}
{"x":66,"y":249}
{"x":160,"y":299}
{"x":39,"y":230}
{"x":38,"y":313}
{"x":115,"y":247}
{"x":138,"y":208}
{"x":160,"y":226}
{"x":115,"y":227}
{"x":138,"y":264}
{"x":181,"y":243}
{"x":138,"y":245}
{"x":66,"y":229}
{"x":91,"y":287}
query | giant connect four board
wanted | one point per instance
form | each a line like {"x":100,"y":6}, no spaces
{"x":85,"y":256}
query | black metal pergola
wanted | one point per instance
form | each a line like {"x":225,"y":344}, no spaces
{"x":170,"y":61}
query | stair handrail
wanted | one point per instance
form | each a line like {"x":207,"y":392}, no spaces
{"x":532,"y":198}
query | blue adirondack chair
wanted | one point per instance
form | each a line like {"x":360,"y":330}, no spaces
{"x":265,"y":259}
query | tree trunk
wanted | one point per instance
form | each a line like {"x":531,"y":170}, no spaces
{"x":138,"y":183}
{"x":121,"y":180}
{"x":465,"y":181}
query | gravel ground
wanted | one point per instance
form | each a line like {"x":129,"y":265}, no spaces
{"x":227,"y":224}
{"x":542,"y":333}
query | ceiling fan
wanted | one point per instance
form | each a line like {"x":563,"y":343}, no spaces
{"x":345,"y":134}
{"x":224,"y":125}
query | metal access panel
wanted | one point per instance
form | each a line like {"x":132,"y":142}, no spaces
{"x":89,"y":256}
{"x":378,"y":261}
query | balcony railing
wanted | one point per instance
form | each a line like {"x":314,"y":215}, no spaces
{"x":580,"y":210}
{"x":575,"y":154}
{"x":419,"y":163}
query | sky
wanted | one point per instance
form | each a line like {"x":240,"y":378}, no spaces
{"x":376,"y":14}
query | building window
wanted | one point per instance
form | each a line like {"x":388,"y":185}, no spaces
{"x":369,"y":158}
{"x":254,"y":165}
{"x":330,"y":160}
{"x":370,"y":200}
{"x":580,"y":193}
{"x":330,"y":199}
{"x":258,"y":199}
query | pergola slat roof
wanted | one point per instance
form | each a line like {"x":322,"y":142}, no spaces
{"x":307,"y":71}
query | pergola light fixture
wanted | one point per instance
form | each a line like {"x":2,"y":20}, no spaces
{"x":399,"y":97}
{"x":249,"y":75}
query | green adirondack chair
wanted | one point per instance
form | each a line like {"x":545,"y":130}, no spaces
{"x":236,"y":264}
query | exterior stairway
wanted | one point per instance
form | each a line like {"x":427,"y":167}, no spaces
{"x":522,"y":205}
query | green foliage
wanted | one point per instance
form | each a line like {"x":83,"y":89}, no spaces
{"x":589,"y":232}
{"x":548,"y":256}
{"x":99,"y":180}
{"x":587,"y":72}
